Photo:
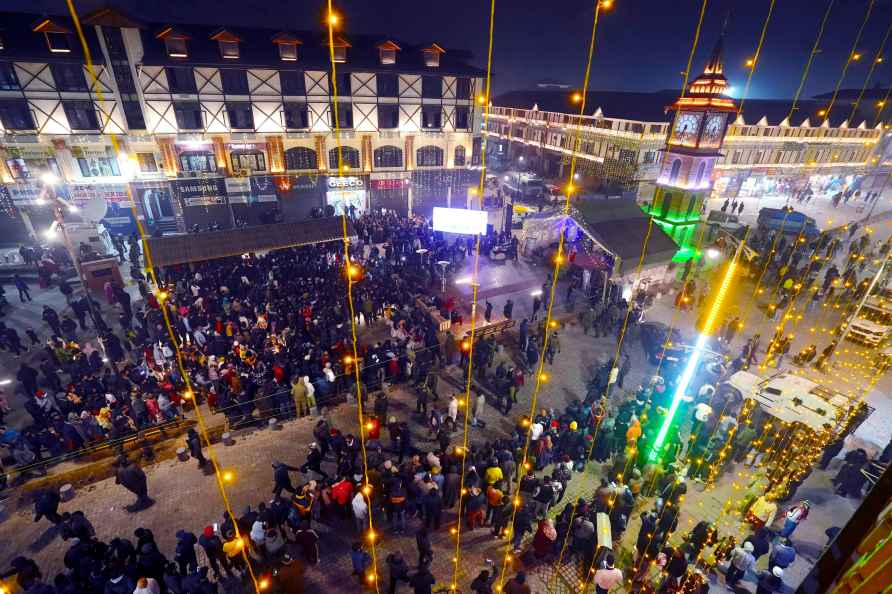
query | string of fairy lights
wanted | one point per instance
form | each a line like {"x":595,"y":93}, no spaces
{"x":852,"y":57}
{"x":456,"y":559}
{"x":221,"y":475}
{"x":806,"y":447}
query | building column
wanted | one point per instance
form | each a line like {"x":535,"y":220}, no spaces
{"x":366,"y":155}
{"x":276,"y":151}
{"x":409,"y":199}
{"x":321,"y":155}
{"x":168,"y":156}
{"x":5,"y":174}
{"x":409,"y":153}
{"x":220,"y":156}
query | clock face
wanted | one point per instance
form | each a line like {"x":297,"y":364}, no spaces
{"x":687,"y":125}
{"x":712,"y":130}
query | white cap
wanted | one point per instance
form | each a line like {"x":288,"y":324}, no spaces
{"x":777,"y":571}
{"x":748,"y":547}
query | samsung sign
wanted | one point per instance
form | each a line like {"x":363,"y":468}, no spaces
{"x":460,"y":220}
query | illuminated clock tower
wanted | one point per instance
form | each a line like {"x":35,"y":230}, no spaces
{"x":701,"y":116}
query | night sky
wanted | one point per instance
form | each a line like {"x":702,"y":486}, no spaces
{"x":643,"y":44}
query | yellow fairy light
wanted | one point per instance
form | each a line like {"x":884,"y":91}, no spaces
{"x":228,"y":476}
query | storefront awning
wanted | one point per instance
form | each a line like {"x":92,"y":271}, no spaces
{"x":196,"y":247}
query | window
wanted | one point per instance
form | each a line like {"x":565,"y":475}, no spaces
{"x":188,"y":114}
{"x":198,"y":162}
{"x":240,"y":116}
{"x":431,"y":117}
{"x":343,"y":84}
{"x":429,"y":156}
{"x":388,"y":156}
{"x":8,"y":79}
{"x":388,"y":85}
{"x":463,"y":88}
{"x":431,"y":87}
{"x":431,"y":58}
{"x":340,"y":54}
{"x":700,"y":170}
{"x":147,"y":163}
{"x":349,"y":157}
{"x":292,"y":82}
{"x":16,"y":115}
{"x":98,"y":166}
{"x":229,"y":49}
{"x":296,"y":116}
{"x":650,"y":157}
{"x":250,"y":160}
{"x":388,"y":56}
{"x":59,"y":43}
{"x":235,"y":81}
{"x":676,"y":168}
{"x":69,"y":77}
{"x":181,"y":81}
{"x":459,"y":156}
{"x":462,"y":118}
{"x":133,"y":115}
{"x":300,"y":157}
{"x":288,"y":52}
{"x":81,"y":115}
{"x":345,"y":116}
{"x":176,"y":47}
{"x":388,"y":116}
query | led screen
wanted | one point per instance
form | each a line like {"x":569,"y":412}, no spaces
{"x":460,"y":220}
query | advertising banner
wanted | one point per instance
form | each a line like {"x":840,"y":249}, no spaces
{"x":209,"y":191}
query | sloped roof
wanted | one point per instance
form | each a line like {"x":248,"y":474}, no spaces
{"x":196,"y":247}
{"x":651,"y":106}
{"x":23,"y":39}
{"x":621,"y":226}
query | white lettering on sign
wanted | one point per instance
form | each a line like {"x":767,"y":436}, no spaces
{"x":345,"y":182}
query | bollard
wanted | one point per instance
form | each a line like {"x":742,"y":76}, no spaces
{"x":227,"y":439}
{"x":66,"y":492}
{"x":182,"y":455}
{"x":274,"y":424}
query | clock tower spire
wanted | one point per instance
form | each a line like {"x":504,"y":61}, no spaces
{"x":700,"y":118}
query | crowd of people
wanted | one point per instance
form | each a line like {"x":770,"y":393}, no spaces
{"x":265,"y":336}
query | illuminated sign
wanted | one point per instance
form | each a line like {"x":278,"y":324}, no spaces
{"x":342,"y":183}
{"x":460,"y":220}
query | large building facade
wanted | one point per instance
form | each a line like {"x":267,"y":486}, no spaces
{"x":228,"y":126}
{"x":767,"y":149}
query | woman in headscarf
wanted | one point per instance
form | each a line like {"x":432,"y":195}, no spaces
{"x":543,"y":541}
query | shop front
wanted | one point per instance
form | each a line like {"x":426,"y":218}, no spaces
{"x":346,"y":195}
{"x":13,"y":230}
{"x":203,"y":202}
{"x":118,"y":219}
{"x":253,"y":199}
{"x":153,"y":199}
{"x":300,"y":196}
{"x":440,"y":187}
{"x":36,"y":213}
{"x":30,"y":163}
{"x":390,"y":191}
{"x":773,"y":182}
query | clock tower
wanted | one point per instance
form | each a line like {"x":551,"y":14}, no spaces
{"x":701,"y":116}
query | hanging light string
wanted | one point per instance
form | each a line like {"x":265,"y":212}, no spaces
{"x":849,"y":59}
{"x":881,"y":106}
{"x":558,"y":260}
{"x":475,"y":285}
{"x":811,"y":57}
{"x":351,"y":274}
{"x":877,"y":60}
{"x":755,"y":59}
{"x":189,"y":393}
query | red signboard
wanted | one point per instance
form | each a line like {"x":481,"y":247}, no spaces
{"x":389,"y":184}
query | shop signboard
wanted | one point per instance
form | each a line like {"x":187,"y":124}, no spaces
{"x":346,"y":193}
{"x":23,"y":194}
{"x":238,"y":189}
{"x":263,"y":188}
{"x":118,"y":215}
{"x":390,"y":180}
{"x":208,"y":191}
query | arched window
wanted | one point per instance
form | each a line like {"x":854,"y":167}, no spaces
{"x":429,"y":156}
{"x":676,"y":167}
{"x":459,"y":156}
{"x":249,"y":160}
{"x":388,"y":156}
{"x":198,"y":161}
{"x":349,"y":157}
{"x":301,"y":157}
{"x":700,"y":171}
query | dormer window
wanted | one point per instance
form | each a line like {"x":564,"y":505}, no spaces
{"x":287,"y":46}
{"x":175,"y":42}
{"x":432,"y":55}
{"x":340,"y":46}
{"x":56,"y":36}
{"x":387,"y":52}
{"x":229,"y":44}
